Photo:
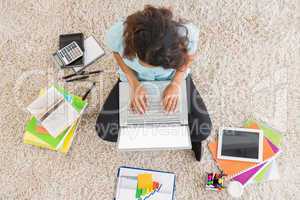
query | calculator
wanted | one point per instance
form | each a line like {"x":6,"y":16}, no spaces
{"x":70,"y":53}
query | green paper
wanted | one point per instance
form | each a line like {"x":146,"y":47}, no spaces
{"x":76,"y":101}
{"x":262,"y":174}
{"x":31,"y":127}
{"x":274,"y":136}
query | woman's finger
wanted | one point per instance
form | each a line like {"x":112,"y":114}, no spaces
{"x":133,"y":106}
{"x":138,"y":106}
{"x":169,"y":104}
{"x":142,"y":103}
{"x":174,"y":104}
{"x":146,"y":101}
{"x":165,"y":102}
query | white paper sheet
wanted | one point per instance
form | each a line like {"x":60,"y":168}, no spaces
{"x":60,"y":119}
{"x":44,"y":103}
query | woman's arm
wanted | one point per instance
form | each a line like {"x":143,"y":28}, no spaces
{"x":139,"y":94}
{"x":171,"y":93}
{"x":180,"y":74}
{"x":130,"y":75}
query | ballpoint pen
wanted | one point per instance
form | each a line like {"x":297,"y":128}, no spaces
{"x":78,"y":79}
{"x":88,"y":92}
{"x":82,"y":74}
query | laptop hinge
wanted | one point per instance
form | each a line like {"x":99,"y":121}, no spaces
{"x":152,"y":125}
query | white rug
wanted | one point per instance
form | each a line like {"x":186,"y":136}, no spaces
{"x":248,"y":66}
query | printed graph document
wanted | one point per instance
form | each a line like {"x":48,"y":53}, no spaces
{"x":156,"y":129}
{"x":143,"y":184}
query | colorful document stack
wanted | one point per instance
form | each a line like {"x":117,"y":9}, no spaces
{"x":52,"y":126}
{"x":249,"y":172}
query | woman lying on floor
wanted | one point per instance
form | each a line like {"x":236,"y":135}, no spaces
{"x":151,"y":46}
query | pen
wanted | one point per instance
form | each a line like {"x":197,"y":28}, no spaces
{"x":51,"y":110}
{"x":87,"y":92}
{"x":71,"y":75}
{"x":77,"y":79}
{"x":82,"y":73}
{"x":92,"y":72}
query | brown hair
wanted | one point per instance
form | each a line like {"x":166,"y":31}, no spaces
{"x":152,"y":35}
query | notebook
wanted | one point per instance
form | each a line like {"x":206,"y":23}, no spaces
{"x":34,"y":128}
{"x":271,"y":151}
{"x":92,"y":52}
{"x":233,"y":168}
{"x":249,"y":176}
{"x":63,"y":145}
{"x":244,"y":177}
{"x":144,"y":184}
{"x":269,"y":170}
{"x":56,"y":110}
{"x":35,"y":134}
{"x":274,"y":136}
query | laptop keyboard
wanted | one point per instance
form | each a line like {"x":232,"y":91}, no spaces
{"x":154,"y":115}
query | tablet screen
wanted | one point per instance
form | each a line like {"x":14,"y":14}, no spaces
{"x":241,"y":144}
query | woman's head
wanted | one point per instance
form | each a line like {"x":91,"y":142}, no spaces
{"x":152,"y":35}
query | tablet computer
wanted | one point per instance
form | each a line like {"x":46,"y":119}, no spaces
{"x":240,"y":144}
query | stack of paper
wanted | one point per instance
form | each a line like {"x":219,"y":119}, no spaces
{"x":248,"y":172}
{"x":56,"y":115}
{"x":267,"y":170}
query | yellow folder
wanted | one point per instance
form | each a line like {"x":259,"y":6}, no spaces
{"x":64,"y":148}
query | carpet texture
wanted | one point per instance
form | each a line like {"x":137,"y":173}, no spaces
{"x":247,"y":66}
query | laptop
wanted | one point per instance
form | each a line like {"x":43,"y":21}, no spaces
{"x":155,"y":129}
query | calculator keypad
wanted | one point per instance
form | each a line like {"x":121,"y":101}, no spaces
{"x":70,"y":53}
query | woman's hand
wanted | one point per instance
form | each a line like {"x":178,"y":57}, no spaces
{"x":170,"y":97}
{"x":139,"y":100}
{"x":138,"y":93}
{"x":171,"y":94}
